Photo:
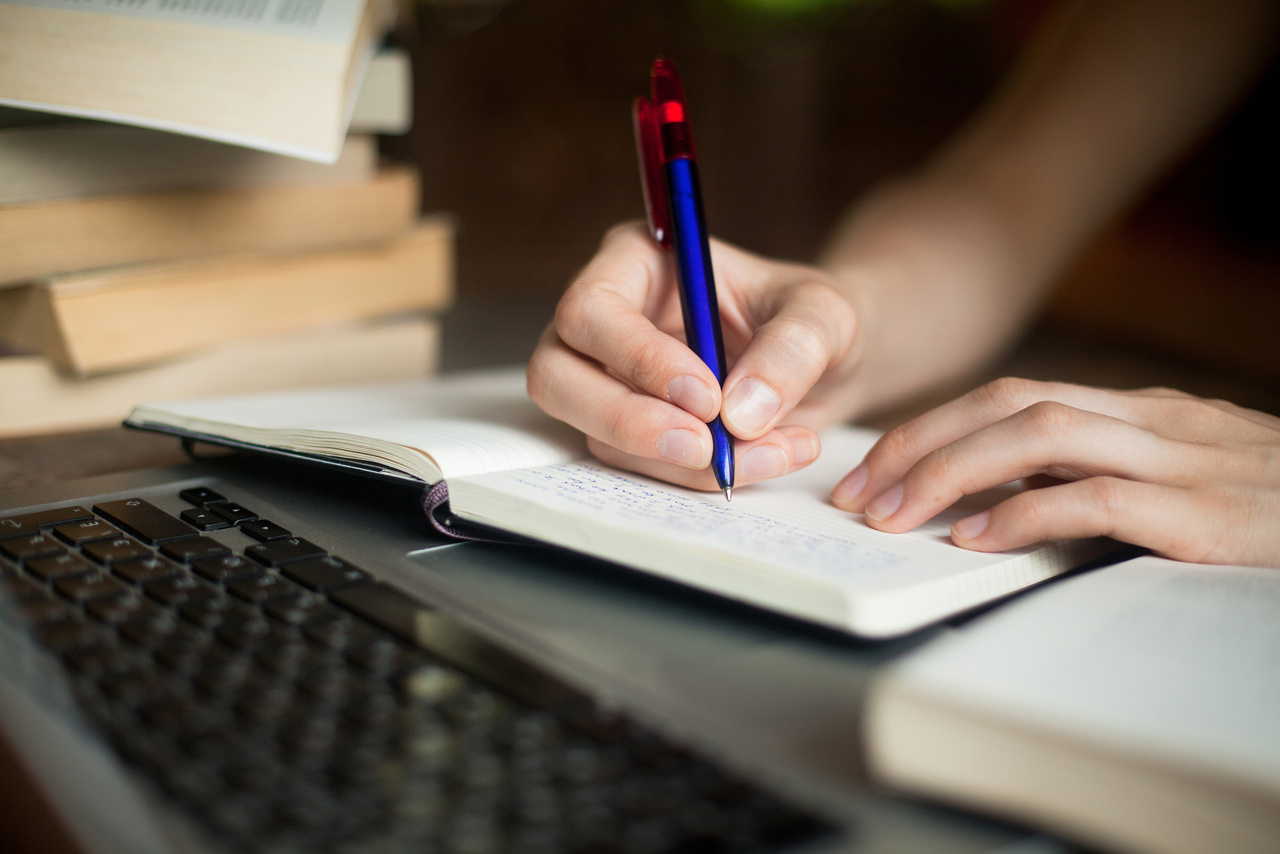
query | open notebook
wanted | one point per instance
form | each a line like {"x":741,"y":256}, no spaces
{"x":779,"y":545}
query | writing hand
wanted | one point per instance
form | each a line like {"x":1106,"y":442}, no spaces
{"x":614,"y":363}
{"x":1191,"y":479}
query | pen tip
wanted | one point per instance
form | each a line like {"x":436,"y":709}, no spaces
{"x":728,"y":493}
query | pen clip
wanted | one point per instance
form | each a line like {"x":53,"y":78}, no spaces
{"x":644,"y":116}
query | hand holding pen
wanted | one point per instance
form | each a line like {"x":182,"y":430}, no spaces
{"x":615,"y":363}
{"x":673,"y":199}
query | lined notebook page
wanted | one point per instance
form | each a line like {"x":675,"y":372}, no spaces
{"x":779,"y":545}
{"x":787,"y":526}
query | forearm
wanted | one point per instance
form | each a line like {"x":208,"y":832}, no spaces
{"x":947,"y":265}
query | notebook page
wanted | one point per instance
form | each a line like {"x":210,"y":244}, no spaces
{"x":1153,"y":656}
{"x":464,"y":424}
{"x":786,"y":528}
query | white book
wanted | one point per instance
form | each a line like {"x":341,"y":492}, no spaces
{"x":279,"y":75}
{"x":1134,"y":708}
{"x":779,"y":545}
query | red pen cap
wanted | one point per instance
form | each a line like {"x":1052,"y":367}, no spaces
{"x":672,"y":114}
{"x":649,"y":152}
{"x":662,"y":135}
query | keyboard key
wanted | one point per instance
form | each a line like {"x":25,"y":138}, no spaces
{"x":111,"y":551}
{"x":301,"y":610}
{"x":221,"y":569}
{"x":178,"y":590}
{"x":204,"y":519}
{"x":234,"y":513}
{"x":31,"y":523}
{"x":119,"y":609}
{"x":41,"y":612}
{"x":21,"y":590}
{"x":27,"y":546}
{"x":149,"y":629}
{"x":211,"y":612}
{"x":78,"y":533}
{"x":263,"y":587}
{"x":264,"y":531}
{"x":86,"y":588}
{"x":54,"y":567}
{"x":201,"y":496}
{"x":64,"y":636}
{"x":284,"y":551}
{"x":145,"y":570}
{"x":144,"y":520}
{"x":193,"y":548}
{"x":324,"y":573}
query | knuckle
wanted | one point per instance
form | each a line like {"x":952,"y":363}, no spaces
{"x":803,"y":347}
{"x":619,"y":424}
{"x":647,"y":365}
{"x":1049,"y":419}
{"x":942,"y":465}
{"x":572,"y":308}
{"x":630,"y":230}
{"x":1110,"y":496}
{"x":1008,"y":395}
{"x":898,"y":446}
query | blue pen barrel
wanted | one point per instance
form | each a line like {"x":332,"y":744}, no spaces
{"x":698,"y":294}
{"x":693,"y":260}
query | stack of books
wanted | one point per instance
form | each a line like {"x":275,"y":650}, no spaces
{"x":194,"y":205}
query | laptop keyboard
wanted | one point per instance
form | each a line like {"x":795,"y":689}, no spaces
{"x":289,"y":701}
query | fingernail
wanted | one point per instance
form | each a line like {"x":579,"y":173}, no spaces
{"x":684,"y":447}
{"x":886,"y":503}
{"x":692,"y":395}
{"x":751,"y":405}
{"x":851,"y":487}
{"x":972,"y":527}
{"x":804,"y":450}
{"x":762,"y":462}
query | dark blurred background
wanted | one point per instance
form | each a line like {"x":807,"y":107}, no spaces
{"x":522,"y":130}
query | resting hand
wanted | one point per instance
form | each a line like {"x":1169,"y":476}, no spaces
{"x":1191,"y":479}
{"x":614,"y":363}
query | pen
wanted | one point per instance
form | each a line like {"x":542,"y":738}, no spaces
{"x":673,"y":199}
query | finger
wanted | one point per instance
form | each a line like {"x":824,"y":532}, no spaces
{"x":810,"y":327}
{"x":602,"y":315}
{"x":783,"y":450}
{"x":905,"y":445}
{"x":574,"y":389}
{"x":1177,"y":523}
{"x":1045,"y":438}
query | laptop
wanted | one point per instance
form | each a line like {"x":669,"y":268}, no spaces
{"x":244,"y":654}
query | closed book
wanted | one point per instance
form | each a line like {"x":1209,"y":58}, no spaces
{"x":71,"y":159}
{"x":279,"y":75}
{"x":40,"y":399}
{"x":1135,"y":708}
{"x":45,"y":238}
{"x":124,"y":317}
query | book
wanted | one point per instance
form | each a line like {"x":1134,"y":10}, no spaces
{"x":279,"y":75}
{"x":72,"y":159}
{"x":45,"y":238}
{"x":39,"y":399}
{"x":507,"y":466}
{"x":124,"y":317}
{"x":385,"y":102}
{"x":1134,"y":708}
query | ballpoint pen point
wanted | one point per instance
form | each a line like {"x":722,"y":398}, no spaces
{"x":728,"y":493}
